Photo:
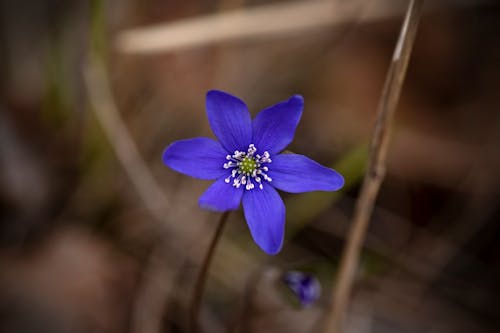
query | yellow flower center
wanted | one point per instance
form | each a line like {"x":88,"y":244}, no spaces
{"x":248,"y":165}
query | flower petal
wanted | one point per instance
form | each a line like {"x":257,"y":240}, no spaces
{"x":199,"y":157}
{"x":274,"y":127}
{"x":221,"y":197}
{"x":297,"y":173}
{"x":230,"y":120}
{"x":265,"y":215}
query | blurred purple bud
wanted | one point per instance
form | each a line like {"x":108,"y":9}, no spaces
{"x":305,"y":286}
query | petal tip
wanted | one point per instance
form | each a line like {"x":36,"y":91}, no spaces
{"x":296,"y":102}
{"x":214,"y":93}
{"x":339,"y":181}
{"x":297,"y":99}
{"x":270,"y":247}
{"x":165,"y":156}
{"x":272,"y":251}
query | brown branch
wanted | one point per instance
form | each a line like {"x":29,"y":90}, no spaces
{"x":151,"y":294}
{"x":259,"y":22}
{"x":202,"y":276}
{"x":375,"y":172}
{"x":125,"y":148}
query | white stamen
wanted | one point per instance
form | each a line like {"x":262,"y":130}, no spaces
{"x":247,"y":168}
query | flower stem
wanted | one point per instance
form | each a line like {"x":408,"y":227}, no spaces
{"x":334,"y":321}
{"x":202,"y":276}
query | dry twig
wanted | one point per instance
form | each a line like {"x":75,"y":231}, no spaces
{"x":264,"y":22}
{"x":150,"y":296}
{"x":376,"y":168}
{"x":124,"y":146}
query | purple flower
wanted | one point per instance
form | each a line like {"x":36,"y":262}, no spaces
{"x":306,"y":287}
{"x":246,"y":165}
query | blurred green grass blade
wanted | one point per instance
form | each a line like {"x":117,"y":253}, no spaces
{"x":304,"y":208}
{"x":98,"y":45}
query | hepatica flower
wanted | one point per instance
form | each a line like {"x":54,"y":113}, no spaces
{"x":247,"y":166}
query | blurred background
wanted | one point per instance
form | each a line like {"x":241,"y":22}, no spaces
{"x":96,"y":235}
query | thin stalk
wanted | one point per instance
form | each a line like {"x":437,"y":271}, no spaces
{"x":375,"y":173}
{"x":202,"y":276}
